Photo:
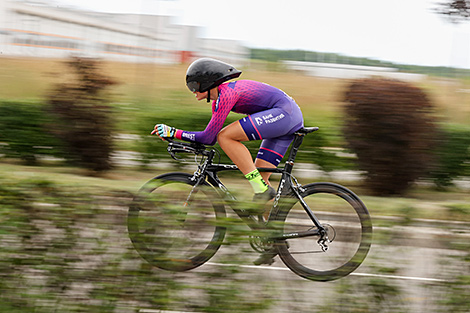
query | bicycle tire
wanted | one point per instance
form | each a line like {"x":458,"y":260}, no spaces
{"x":171,"y":231}
{"x":346,"y":218}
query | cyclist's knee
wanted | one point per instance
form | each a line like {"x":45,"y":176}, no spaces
{"x":232,"y":132}
{"x":223,"y":136}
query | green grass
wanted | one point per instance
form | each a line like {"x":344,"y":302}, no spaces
{"x":421,"y":203}
{"x":120,"y":179}
{"x":421,"y":208}
{"x":145,"y":89}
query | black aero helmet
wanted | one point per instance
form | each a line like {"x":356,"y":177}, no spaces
{"x":206,"y":73}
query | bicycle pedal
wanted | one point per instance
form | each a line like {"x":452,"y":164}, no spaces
{"x":261,"y":219}
{"x":267,"y":259}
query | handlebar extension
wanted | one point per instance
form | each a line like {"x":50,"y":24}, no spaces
{"x":185,"y":147}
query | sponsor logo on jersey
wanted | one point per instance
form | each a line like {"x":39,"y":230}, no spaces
{"x":189,"y":136}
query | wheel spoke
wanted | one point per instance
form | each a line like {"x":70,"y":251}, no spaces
{"x":347,"y":238}
{"x":173,"y":224}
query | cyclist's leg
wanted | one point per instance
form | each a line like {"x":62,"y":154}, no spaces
{"x":274,"y":123}
{"x":275,"y":127}
{"x":230,"y":140}
{"x":264,"y":164}
{"x":271,"y":152}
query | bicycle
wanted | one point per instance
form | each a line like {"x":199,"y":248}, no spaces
{"x":321,"y":231}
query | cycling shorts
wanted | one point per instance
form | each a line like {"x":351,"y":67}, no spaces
{"x":276,"y":128}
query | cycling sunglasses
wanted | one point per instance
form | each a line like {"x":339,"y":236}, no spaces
{"x":194,"y":86}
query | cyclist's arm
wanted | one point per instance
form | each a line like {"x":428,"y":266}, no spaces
{"x":220,"y":110}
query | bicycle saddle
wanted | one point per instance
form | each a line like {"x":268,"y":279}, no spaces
{"x":307,"y":130}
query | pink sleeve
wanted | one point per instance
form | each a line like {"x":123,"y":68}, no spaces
{"x":220,"y":110}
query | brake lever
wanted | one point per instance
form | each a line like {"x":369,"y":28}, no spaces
{"x":194,"y":147}
{"x":173,"y":156}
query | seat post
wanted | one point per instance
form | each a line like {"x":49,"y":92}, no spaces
{"x":299,"y":137}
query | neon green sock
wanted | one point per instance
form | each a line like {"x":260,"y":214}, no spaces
{"x":256,"y":181}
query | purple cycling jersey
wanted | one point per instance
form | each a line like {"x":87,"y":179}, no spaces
{"x":250,"y":97}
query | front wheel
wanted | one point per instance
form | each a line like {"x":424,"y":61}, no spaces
{"x":173,"y":224}
{"x":348,"y":230}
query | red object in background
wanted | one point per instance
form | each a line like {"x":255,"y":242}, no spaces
{"x":186,"y":56}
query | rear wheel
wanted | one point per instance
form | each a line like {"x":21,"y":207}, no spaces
{"x":348,"y":228}
{"x":174,"y":225}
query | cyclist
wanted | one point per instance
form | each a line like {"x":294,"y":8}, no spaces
{"x":272,"y":116}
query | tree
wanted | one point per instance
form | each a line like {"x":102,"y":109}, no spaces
{"x":84,"y":120}
{"x":455,"y":10}
{"x":389,"y":127}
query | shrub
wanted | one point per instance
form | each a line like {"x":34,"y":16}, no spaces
{"x":314,"y":149}
{"x":64,"y":250}
{"x":453,"y":155}
{"x":84,"y":120}
{"x":151,"y":148}
{"x":24,"y":132}
{"x":389,"y":127}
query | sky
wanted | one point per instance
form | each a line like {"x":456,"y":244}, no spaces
{"x":399,"y":31}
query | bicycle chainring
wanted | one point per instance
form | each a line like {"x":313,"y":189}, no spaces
{"x":260,"y":244}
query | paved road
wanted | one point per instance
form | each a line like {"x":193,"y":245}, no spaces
{"x":417,"y":260}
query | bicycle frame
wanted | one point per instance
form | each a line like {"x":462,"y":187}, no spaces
{"x":151,"y":222}
{"x":207,"y":171}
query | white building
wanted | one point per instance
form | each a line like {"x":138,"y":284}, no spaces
{"x":226,"y":50}
{"x":40,"y":30}
{"x":346,"y":71}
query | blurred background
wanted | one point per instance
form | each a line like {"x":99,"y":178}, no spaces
{"x":82,"y":83}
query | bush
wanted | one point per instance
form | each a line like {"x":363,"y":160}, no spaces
{"x":84,"y":121}
{"x":24,"y":132}
{"x":66,"y":249}
{"x":453,"y":155}
{"x":314,"y":148}
{"x":389,"y":127}
{"x":151,"y":148}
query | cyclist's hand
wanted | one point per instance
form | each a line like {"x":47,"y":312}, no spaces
{"x":164,"y":131}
